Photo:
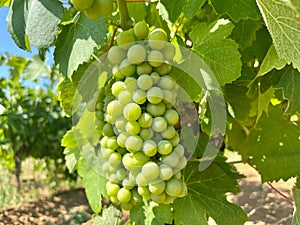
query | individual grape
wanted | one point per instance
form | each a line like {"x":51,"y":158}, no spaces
{"x":117,"y":87}
{"x":169,"y":51}
{"x":150,"y":170}
{"x":149,"y":148}
{"x":158,"y":39}
{"x":157,"y":187}
{"x":121,"y":150}
{"x":159,"y":124}
{"x":171,"y":116}
{"x":146,"y":133}
{"x":136,"y":54}
{"x":112,"y":143}
{"x":171,"y":159}
{"x":128,"y":162}
{"x":120,"y":124}
{"x":128,"y":184}
{"x":166,"y":82}
{"x":143,"y":191}
{"x":169,"y":132}
{"x":182,"y":163}
{"x":99,"y":8}
{"x":163,"y":69}
{"x":125,"y":39}
{"x":175,"y":140}
{"x":114,"y":109}
{"x":112,"y":177}
{"x":168,"y":199}
{"x":164,"y":147}
{"x":143,"y":68}
{"x":155,"y":58}
{"x":127,"y":68}
{"x":166,"y":172}
{"x":145,"y":82}
{"x":139,"y":96}
{"x":141,"y":180}
{"x":145,"y":120}
{"x":112,"y":189}
{"x":127,"y":206}
{"x":106,"y":153}
{"x":141,"y":30}
{"x":169,"y":96}
{"x":121,"y":174}
{"x":115,"y":159}
{"x":155,"y":95}
{"x":108,"y":130}
{"x":155,"y":77}
{"x":124,"y":195}
{"x":179,"y":149}
{"x":133,"y":143}
{"x":139,"y":159}
{"x":160,"y":198}
{"x":103,"y":142}
{"x":177,"y":174}
{"x":82,"y":5}
{"x":156,"y":109}
{"x":114,"y":199}
{"x":121,"y":139}
{"x":132,"y":111}
{"x":130,"y":84}
{"x":132,"y":127}
{"x":125,"y":97}
{"x":173,"y":187}
{"x":116,"y":55}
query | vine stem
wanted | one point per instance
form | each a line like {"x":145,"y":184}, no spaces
{"x":280,"y":193}
{"x":125,"y":20}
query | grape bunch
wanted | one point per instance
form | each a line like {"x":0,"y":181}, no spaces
{"x":140,"y":144}
{"x":93,"y":8}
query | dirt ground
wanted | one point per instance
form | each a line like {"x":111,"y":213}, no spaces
{"x":262,"y":204}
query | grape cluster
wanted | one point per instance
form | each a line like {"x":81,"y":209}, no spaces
{"x":140,"y":144}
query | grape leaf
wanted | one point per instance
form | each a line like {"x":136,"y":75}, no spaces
{"x":163,"y":215}
{"x":173,"y":8}
{"x":282,"y":20}
{"x":244,"y":32}
{"x":237,"y":9}
{"x":77,"y":41}
{"x":275,"y":149}
{"x":220,"y":53}
{"x":296,"y":196}
{"x":36,"y":67}
{"x":206,"y":189}
{"x":137,"y":10}
{"x":191,"y":7}
{"x":137,"y":215}
{"x":110,"y":216}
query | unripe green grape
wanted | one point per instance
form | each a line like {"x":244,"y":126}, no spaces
{"x":169,"y":97}
{"x":127,"y":206}
{"x":149,"y":148}
{"x":155,"y":58}
{"x":166,"y":82}
{"x":171,"y":159}
{"x":155,"y":95}
{"x":103,"y":142}
{"x":100,"y":106}
{"x":177,"y":174}
{"x":121,"y":174}
{"x":136,"y":54}
{"x":156,"y":109}
{"x":121,"y":150}
{"x":159,"y":124}
{"x":132,"y":111}
{"x":143,"y":191}
{"x":106,"y":153}
{"x":124,"y":195}
{"x":128,"y":184}
{"x":157,"y":187}
{"x":169,"y":51}
{"x":112,"y":189}
{"x":112,"y":143}
{"x":117,"y":87}
{"x":160,"y":198}
{"x":179,"y":149}
{"x":141,"y":180}
{"x":158,"y":39}
{"x":114,"y":199}
{"x":166,"y":172}
{"x":108,"y":130}
{"x":150,"y":170}
{"x":82,"y":5}
{"x":113,"y":178}
{"x":141,"y":30}
{"x":144,"y":82}
{"x":120,"y":124}
{"x":115,"y":159}
{"x":171,"y":116}
{"x":173,"y":187}
{"x":133,"y":143}
{"x":136,"y":198}
{"x":117,"y":73}
{"x":155,"y":77}
{"x":169,"y":133}
{"x":99,"y":8}
{"x":182,"y":163}
{"x":116,"y":55}
{"x":168,"y":199}
{"x":145,"y":120}
{"x":175,"y":140}
{"x":121,"y":139}
{"x":127,"y":161}
{"x":114,"y":108}
{"x":139,"y":159}
{"x":132,"y":127}
{"x":125,"y":39}
{"x":127,"y":68}
{"x":143,"y":68}
{"x":130,"y":84}
{"x":139,"y":96}
{"x":163,"y":69}
{"x":125,"y":97}
{"x":146,"y":133}
{"x":164,"y":147}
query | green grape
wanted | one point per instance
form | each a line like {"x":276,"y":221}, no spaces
{"x":173,"y":187}
{"x":125,"y":39}
{"x":159,"y":124}
{"x":175,"y":140}
{"x":127,"y":206}
{"x":132,"y":127}
{"x":156,"y":109}
{"x":130,"y":84}
{"x":177,"y":174}
{"x":169,"y":132}
{"x":157,"y":187}
{"x":136,"y":198}
{"x":128,"y":184}
{"x":121,"y":150}
{"x":155,"y":77}
{"x":143,"y":68}
{"x":117,"y":73}
{"x":139,"y":159}
{"x":116,"y":55}
{"x":182,"y":163}
{"x":132,"y":111}
{"x":150,"y":170}
{"x":143,"y":191}
{"x":166,"y":82}
{"x":155,"y":58}
{"x":169,"y":51}
{"x":133,"y":143}
{"x":124,"y":195}
{"x":128,"y":162}
{"x":108,"y":130}
{"x":114,"y":108}
{"x":155,"y":95}
{"x":121,"y":174}
{"x":168,"y":199}
{"x":112,"y":143}
{"x":82,"y":5}
{"x":145,"y":82}
{"x":121,"y":139}
{"x":145,"y":120}
{"x":163,"y":69}
{"x":149,"y":148}
{"x":120,"y":124}
{"x":103,"y":142}
{"x":114,"y":199}
{"x":171,"y":116}
{"x":179,"y":149}
{"x":169,"y":97}
{"x":115,"y":159}
{"x":99,"y":8}
{"x":117,"y":87}
{"x":166,"y":172}
{"x":112,"y":189}
{"x":141,"y":180}
{"x":164,"y":147}
{"x":127,"y":68}
{"x":139,"y":96}
{"x":112,"y":177}
{"x":136,"y":54}
{"x":171,"y":159}
{"x":141,"y":30}
{"x":158,"y":39}
{"x":106,"y":153}
{"x":146,"y":133}
{"x":124,"y":97}
{"x":160,"y":198}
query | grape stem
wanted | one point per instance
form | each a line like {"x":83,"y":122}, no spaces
{"x":125,"y":20}
{"x":280,"y":193}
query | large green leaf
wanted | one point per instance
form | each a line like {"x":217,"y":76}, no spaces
{"x":206,"y":196}
{"x":237,"y":9}
{"x":219,"y":52}
{"x":173,"y":8}
{"x":76,"y":43}
{"x":163,"y":215}
{"x":191,"y":7}
{"x":282,"y":20}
